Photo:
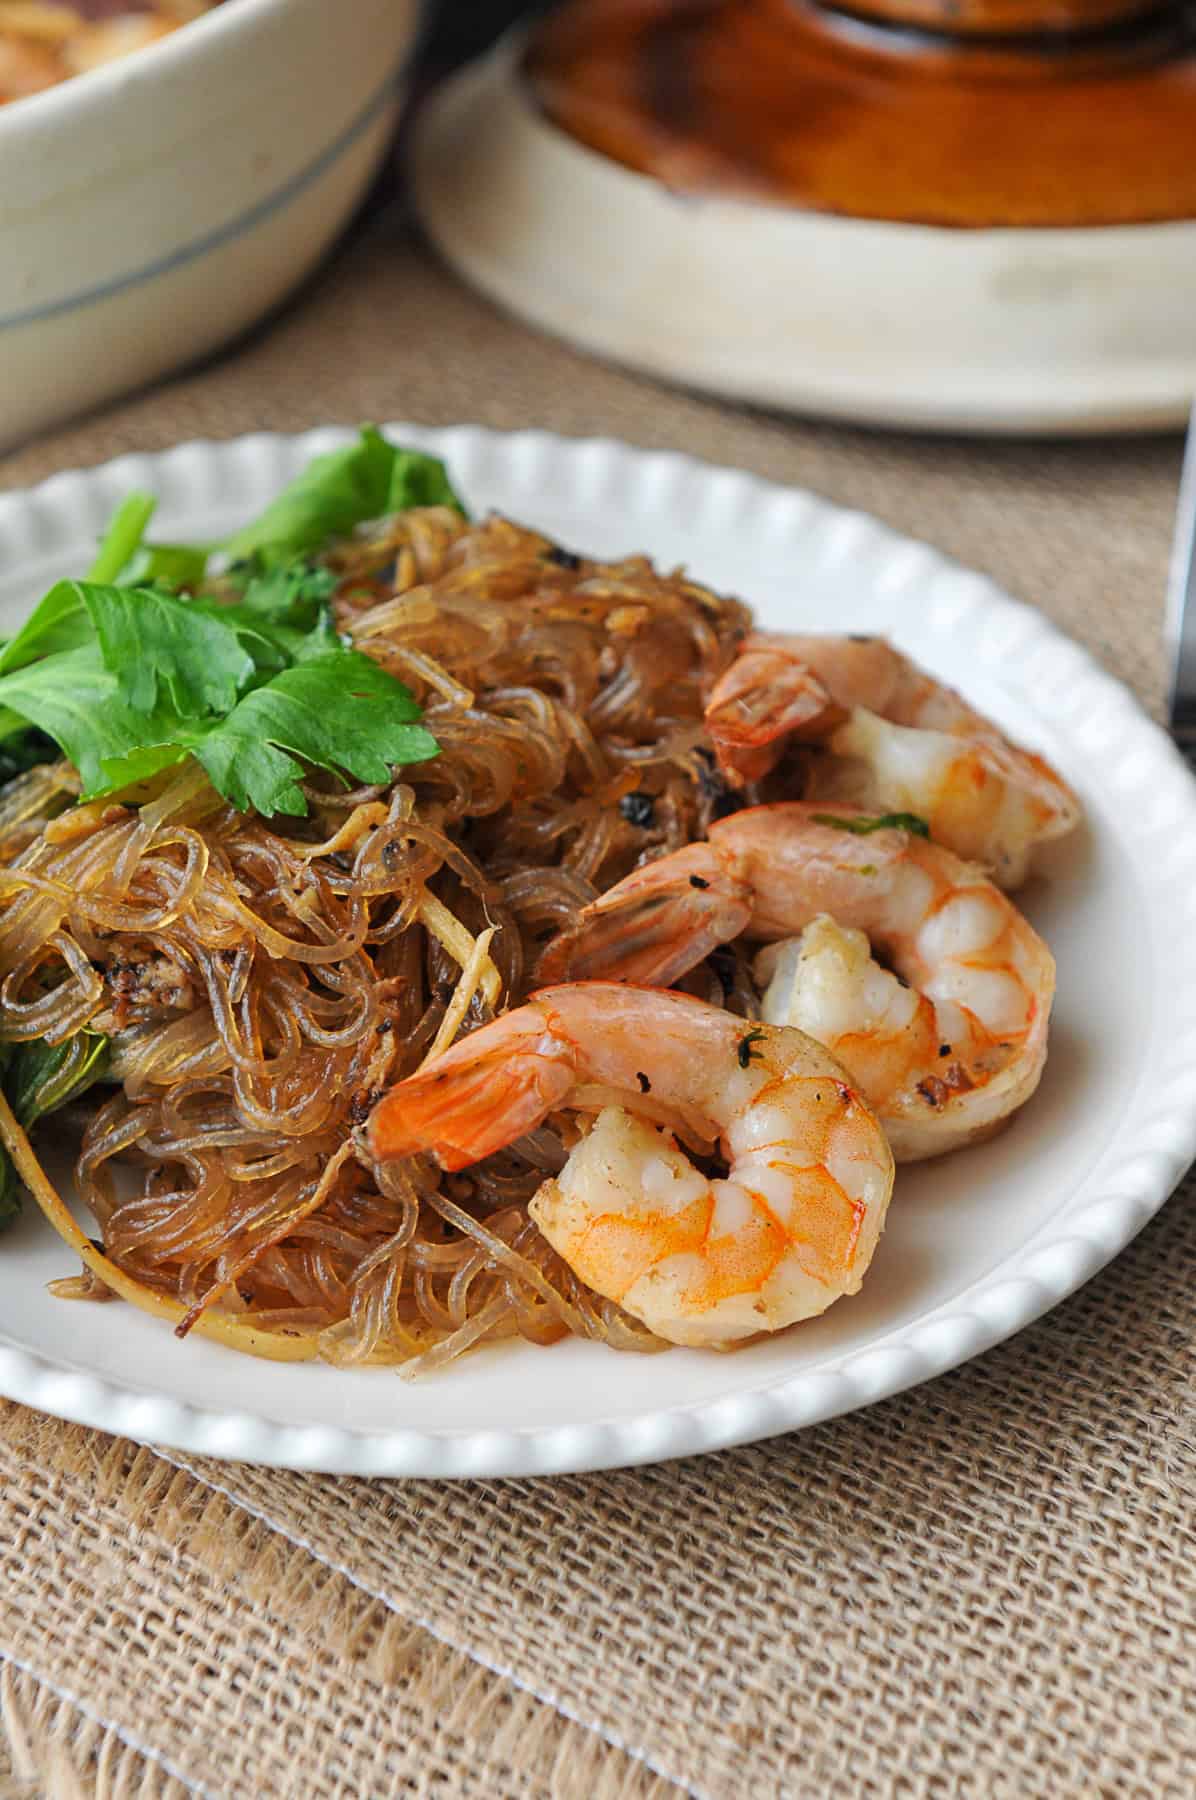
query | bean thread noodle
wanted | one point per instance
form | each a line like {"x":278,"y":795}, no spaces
{"x":262,"y":982}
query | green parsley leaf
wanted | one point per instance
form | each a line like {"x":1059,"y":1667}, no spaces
{"x":864,"y":826}
{"x":338,"y":711}
{"x":175,"y":566}
{"x":38,"y":1079}
{"x":339,"y":491}
{"x":296,"y":645}
{"x":291,"y":594}
{"x":283,"y":615}
{"x":419,"y":480}
{"x":281,"y":618}
{"x":75,"y":699}
{"x":58,"y":622}
{"x":153,"y":642}
{"x":331,"y":707}
{"x":127,"y":679}
{"x":274,"y":646}
{"x":42,"y":1077}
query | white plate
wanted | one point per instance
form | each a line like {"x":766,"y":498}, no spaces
{"x":976,"y":1246}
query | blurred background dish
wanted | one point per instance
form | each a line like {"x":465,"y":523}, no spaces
{"x":956,"y":214}
{"x":43,"y":42}
{"x":161,"y":202}
{"x":973,"y":215}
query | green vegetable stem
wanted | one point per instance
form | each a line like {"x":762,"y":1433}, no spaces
{"x":863,"y":826}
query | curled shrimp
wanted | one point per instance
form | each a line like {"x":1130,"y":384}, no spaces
{"x":917,"y":973}
{"x":699,"y":1260}
{"x":897,"y":741}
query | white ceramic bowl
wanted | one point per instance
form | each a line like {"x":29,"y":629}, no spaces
{"x":151,"y":209}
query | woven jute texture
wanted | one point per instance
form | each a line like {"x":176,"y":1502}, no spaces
{"x":982,"y":1588}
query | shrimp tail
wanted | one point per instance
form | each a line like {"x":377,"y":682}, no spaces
{"x":464,"y":1106}
{"x":765,"y":698}
{"x":656,"y":925}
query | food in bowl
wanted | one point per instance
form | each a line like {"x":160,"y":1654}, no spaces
{"x":446,"y":936}
{"x":152,"y":210}
{"x":43,"y":42}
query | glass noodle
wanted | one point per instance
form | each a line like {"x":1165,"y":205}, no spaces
{"x":262,"y":982}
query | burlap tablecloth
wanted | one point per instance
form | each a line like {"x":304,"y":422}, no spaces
{"x":984,"y":1587}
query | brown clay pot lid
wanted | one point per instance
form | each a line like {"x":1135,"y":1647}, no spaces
{"x":974,"y":113}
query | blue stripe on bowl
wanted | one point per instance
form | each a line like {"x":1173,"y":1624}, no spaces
{"x":223,"y":234}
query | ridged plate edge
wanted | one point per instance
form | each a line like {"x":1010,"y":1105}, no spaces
{"x":1157,"y":812}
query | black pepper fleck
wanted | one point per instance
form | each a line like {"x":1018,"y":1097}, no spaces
{"x":638,"y":810}
{"x":696,"y":881}
{"x":645,"y":1084}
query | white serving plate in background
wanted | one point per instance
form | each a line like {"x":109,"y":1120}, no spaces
{"x":154,"y":207}
{"x":925,"y":327}
{"x":977,"y":1245}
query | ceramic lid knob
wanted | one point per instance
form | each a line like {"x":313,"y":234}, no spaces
{"x":1004,"y":18}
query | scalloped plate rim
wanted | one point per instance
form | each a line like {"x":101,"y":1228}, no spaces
{"x":897,"y":1358}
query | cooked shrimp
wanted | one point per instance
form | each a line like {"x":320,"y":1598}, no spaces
{"x":947,"y":1035}
{"x":897,"y":740}
{"x":699,"y":1260}
{"x":768,"y":697}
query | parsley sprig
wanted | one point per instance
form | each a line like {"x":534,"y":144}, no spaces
{"x":863,"y":826}
{"x":38,"y":1078}
{"x":367,"y":480}
{"x":131,"y":671}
